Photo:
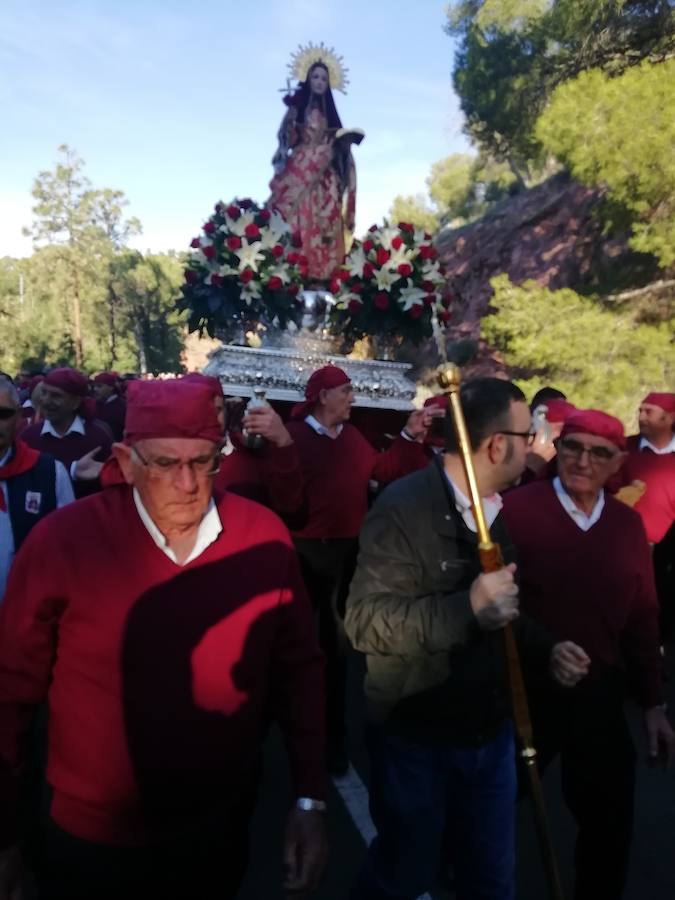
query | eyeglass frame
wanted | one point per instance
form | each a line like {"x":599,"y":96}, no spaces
{"x":600,"y":459}
{"x":528,"y":435}
{"x":176,"y":465}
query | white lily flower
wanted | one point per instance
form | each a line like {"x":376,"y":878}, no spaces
{"x":431,"y":272}
{"x":239,"y":226}
{"x":249,"y":255}
{"x":226,"y":270}
{"x":278,"y":225}
{"x":280,"y":272}
{"x":402,"y":255}
{"x":250,"y":291}
{"x":385,"y":277}
{"x":355,"y":263}
{"x":411,"y":296}
{"x":268,"y":239}
{"x":387,"y":235}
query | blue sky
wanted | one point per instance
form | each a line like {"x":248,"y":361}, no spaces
{"x":176,"y":103}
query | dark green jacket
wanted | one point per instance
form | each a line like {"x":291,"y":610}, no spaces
{"x":432,"y":672}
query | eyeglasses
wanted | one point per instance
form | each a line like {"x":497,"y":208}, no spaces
{"x":7,"y":412}
{"x":570,"y":447}
{"x":164,"y":467}
{"x":528,"y":435}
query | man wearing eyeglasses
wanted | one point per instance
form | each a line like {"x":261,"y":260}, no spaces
{"x":32,"y":484}
{"x":167,"y":625}
{"x":586,"y":574}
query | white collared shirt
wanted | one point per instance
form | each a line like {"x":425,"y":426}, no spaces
{"x":660,"y":451}
{"x":209,"y":529}
{"x":577,"y":515}
{"x":491,"y":506}
{"x":64,"y":495}
{"x":76,"y":427}
{"x":321,"y":429}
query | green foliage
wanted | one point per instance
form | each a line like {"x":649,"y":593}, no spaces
{"x":464,"y":187}
{"x":414,"y":209}
{"x":620,"y":132}
{"x":514,"y":53}
{"x":599,"y":357}
{"x":82,"y":299}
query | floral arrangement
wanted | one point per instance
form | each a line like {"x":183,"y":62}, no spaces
{"x":244,"y":268}
{"x":390,"y":284}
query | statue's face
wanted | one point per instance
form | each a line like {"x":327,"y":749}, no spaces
{"x":318,"y":80}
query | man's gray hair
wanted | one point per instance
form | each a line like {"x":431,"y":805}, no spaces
{"x":8,"y":387}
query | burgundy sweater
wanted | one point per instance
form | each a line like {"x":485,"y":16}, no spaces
{"x":72,"y":447}
{"x":160,"y":679}
{"x":593,"y":587}
{"x":337,"y":471}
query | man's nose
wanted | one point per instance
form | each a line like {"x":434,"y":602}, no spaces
{"x":186,"y":478}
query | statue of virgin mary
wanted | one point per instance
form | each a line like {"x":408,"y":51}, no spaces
{"x":314,"y":183}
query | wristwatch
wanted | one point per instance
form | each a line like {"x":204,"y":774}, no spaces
{"x":307,"y":804}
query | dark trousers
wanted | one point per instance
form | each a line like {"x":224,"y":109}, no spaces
{"x":327,"y":568}
{"x":202,"y":864}
{"x":432,"y":805}
{"x":587,"y":727}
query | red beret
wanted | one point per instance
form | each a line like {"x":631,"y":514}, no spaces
{"x":112,"y":379}
{"x":321,"y":380}
{"x":212,"y":383}
{"x":664,"y":401}
{"x":598,"y":423}
{"x":558,"y":410}
{"x":68,"y":380}
{"x":170,"y":409}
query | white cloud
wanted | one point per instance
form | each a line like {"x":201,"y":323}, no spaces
{"x":16,"y":213}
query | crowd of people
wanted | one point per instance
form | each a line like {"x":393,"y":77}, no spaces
{"x":169,"y":588}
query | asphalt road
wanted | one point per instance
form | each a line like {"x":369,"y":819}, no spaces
{"x":652,"y":873}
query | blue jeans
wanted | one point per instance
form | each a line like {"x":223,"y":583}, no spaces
{"x":433,"y":805}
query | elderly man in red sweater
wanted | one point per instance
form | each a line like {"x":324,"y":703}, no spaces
{"x":165,"y":625}
{"x":586,"y":574}
{"x":338,"y":464}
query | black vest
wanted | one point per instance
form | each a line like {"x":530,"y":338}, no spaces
{"x":31,"y":497}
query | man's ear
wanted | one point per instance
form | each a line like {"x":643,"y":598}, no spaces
{"x":494,"y":447}
{"x":122,"y":453}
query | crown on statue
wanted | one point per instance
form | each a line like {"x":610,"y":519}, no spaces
{"x":304,"y":58}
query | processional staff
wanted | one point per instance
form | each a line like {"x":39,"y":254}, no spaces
{"x":491,"y":561}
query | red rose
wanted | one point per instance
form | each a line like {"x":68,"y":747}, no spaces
{"x":342,"y":274}
{"x":210,"y":227}
{"x":368,"y":270}
{"x":430,"y":299}
{"x":234,"y":242}
{"x":381,"y":300}
{"x":416,"y":311}
{"x":264,"y":215}
{"x":446,"y":300}
{"x":373,"y":229}
{"x":252,"y":231}
{"x":404,"y":269}
{"x":233,"y":211}
{"x":334,"y":285}
{"x":356,"y":288}
{"x":303,"y":271}
{"x":444,"y":316}
{"x":293,"y":258}
{"x":428,"y":287}
{"x":275,"y":283}
{"x":426,"y":252}
{"x":247,"y":203}
{"x":246,"y":276}
{"x":216,"y":280}
{"x":397,"y":243}
{"x":382,"y":256}
{"x":277,"y":251}
{"x":367,"y":246}
{"x":293,"y":289}
{"x":407,"y":227}
{"x":195,"y":243}
{"x":209,"y":251}
{"x":296,"y":240}
{"x":191,"y":276}
{"x":354,"y":306}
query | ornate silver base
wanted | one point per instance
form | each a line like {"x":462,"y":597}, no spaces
{"x":283,"y":369}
